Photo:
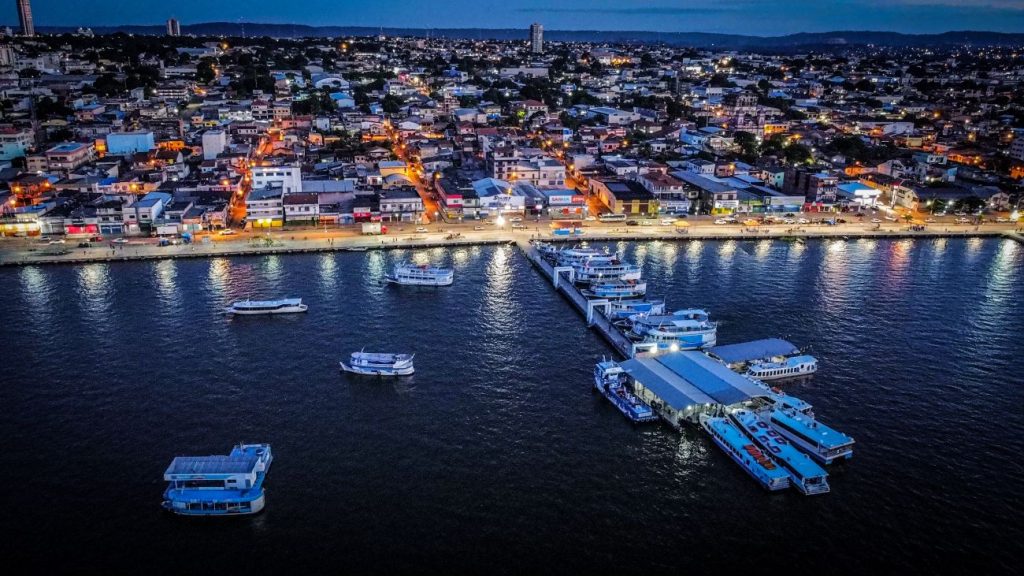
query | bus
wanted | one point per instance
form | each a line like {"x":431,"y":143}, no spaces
{"x":612,"y":217}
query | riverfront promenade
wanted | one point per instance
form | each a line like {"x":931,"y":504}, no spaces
{"x":24,"y":251}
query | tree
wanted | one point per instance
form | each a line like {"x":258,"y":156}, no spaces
{"x":204,"y":72}
{"x":797,"y":153}
{"x":747,"y":144}
{"x":28,"y":73}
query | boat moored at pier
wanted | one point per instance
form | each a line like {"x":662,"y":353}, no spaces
{"x":791,"y":367}
{"x":379,"y":364}
{"x":686,"y":329}
{"x":742,"y":451}
{"x":823,"y":443}
{"x":229,"y":485}
{"x":615,"y":289}
{"x":623,"y":309}
{"x":258,"y":307}
{"x":589,"y":271}
{"x":422,"y":275}
{"x":610,"y":381}
{"x":805,"y":474}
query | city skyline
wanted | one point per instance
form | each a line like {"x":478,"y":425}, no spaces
{"x":751,"y":17}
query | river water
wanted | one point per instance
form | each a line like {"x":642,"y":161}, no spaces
{"x":495,"y":456}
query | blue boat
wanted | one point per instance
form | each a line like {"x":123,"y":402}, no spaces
{"x":616,"y":289}
{"x":623,"y":309}
{"x":610,"y":381}
{"x":736,"y":444}
{"x":804,"y":474}
{"x":681,"y":330}
{"x":823,"y":443}
{"x":229,"y":485}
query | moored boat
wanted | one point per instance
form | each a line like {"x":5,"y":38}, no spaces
{"x":423,"y":275}
{"x":256,"y":307}
{"x":590,"y":270}
{"x":689,"y":329}
{"x":218,"y":485}
{"x":623,"y":309}
{"x":823,"y":443}
{"x":616,"y":289}
{"x":804,"y":473}
{"x":791,"y":367}
{"x":610,"y":381}
{"x":742,"y":451}
{"x":379,"y":364}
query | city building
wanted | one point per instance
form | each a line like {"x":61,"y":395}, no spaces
{"x":536,"y":37}
{"x":15,"y":142}
{"x":120,"y":143}
{"x":28,"y":27}
{"x":173,"y":27}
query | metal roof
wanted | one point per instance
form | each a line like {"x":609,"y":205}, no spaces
{"x":210,"y":465}
{"x":754,"y":350}
{"x":711,"y":377}
{"x":669,"y":387}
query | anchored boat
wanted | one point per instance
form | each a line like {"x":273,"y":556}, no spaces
{"x":791,"y":367}
{"x":686,"y":329}
{"x":609,"y":380}
{"x":623,"y":309}
{"x":760,"y":467}
{"x":823,"y":443}
{"x":804,"y":474}
{"x":379,"y":364}
{"x":616,"y":289}
{"x":413,"y":275}
{"x":218,"y":485}
{"x":590,"y":270}
{"x":254,"y":307}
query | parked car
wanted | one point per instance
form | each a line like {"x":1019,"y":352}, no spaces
{"x":876,"y":221}
{"x":517,"y":225}
{"x":803,"y":221}
{"x":421,"y":229}
{"x":515,"y":219}
{"x":668,"y":221}
{"x":96,"y":239}
{"x":121,"y":241}
{"x":226,"y":232}
{"x":720,"y":221}
{"x":591,"y":219}
{"x":632,"y":223}
{"x":478,"y":227}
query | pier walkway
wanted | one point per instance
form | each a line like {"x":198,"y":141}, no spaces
{"x":592,"y":310}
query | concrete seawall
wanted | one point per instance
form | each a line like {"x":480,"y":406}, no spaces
{"x":11,"y":256}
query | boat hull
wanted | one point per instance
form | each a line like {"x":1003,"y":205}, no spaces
{"x":403,"y":371}
{"x":411,"y":282}
{"x":287,"y":310}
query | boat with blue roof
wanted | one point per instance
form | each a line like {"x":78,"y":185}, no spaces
{"x":823,"y":443}
{"x":615,"y":289}
{"x":610,"y":381}
{"x":742,"y":450}
{"x":623,"y":309}
{"x":688,"y":329}
{"x":804,"y":473}
{"x":230,"y":485}
{"x":590,"y":270}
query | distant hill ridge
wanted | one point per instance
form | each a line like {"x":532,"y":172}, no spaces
{"x":698,"y":39}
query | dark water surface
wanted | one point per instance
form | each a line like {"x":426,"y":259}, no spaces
{"x":495,"y":457}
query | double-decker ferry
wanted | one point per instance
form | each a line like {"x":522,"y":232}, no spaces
{"x":792,"y":367}
{"x":823,"y":443}
{"x":423,"y":275}
{"x":218,"y":485}
{"x":610,"y":381}
{"x":615,"y":289}
{"x":687,"y":329}
{"x":736,"y":444}
{"x":804,"y":474}
{"x":256,"y":307}
{"x":592,"y":269}
{"x":379,"y":364}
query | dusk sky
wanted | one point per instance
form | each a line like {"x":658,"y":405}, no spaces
{"x":760,"y":17}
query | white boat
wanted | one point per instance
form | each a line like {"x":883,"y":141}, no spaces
{"x":379,"y":364}
{"x":423,"y":275}
{"x":686,"y":329}
{"x":623,"y":309}
{"x":616,"y":289}
{"x":254,"y":307}
{"x":787,"y":368}
{"x":594,"y":269}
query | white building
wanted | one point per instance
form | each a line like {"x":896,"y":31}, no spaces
{"x":214,"y":143}
{"x":288,"y":178}
{"x":14,"y":143}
